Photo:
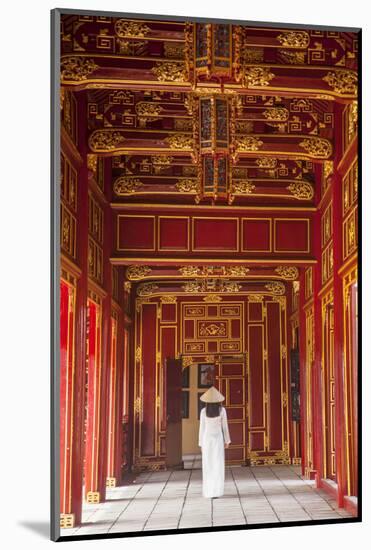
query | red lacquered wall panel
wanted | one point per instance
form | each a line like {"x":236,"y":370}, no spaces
{"x":215,"y":234}
{"x":256,"y":376}
{"x":173,"y":233}
{"x":292,"y":236}
{"x":136,"y":232}
{"x":256,"y":235}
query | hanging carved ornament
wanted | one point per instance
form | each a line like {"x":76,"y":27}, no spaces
{"x":317,"y":147}
{"x":276,"y":287}
{"x":125,"y":185}
{"x":294,"y":39}
{"x":213,"y":298}
{"x":257,"y":76}
{"x":131,"y":29}
{"x":77,"y":68}
{"x":168,"y":299}
{"x":189,"y":271}
{"x":342,"y":81}
{"x":105,"y":140}
{"x":248,"y":143}
{"x":266,"y":162}
{"x":162,"y":160}
{"x":287,"y":272}
{"x":144,"y":108}
{"x":187,"y":186}
{"x":276,"y":113}
{"x":146,"y":289}
{"x":301,"y":190}
{"x":180,"y":141}
{"x":170,"y":71}
{"x":243,"y":187}
{"x":137,"y":272}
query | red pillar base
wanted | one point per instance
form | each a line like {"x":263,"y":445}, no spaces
{"x":351,"y":505}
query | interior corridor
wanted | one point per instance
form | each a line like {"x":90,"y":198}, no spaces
{"x":173,"y":500}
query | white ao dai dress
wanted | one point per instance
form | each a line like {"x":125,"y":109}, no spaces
{"x":213,"y":434}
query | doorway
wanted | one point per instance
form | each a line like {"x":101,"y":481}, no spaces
{"x":197,"y":378}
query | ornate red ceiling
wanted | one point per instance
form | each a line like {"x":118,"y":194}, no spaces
{"x":200,"y":113}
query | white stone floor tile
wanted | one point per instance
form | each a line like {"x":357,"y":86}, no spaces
{"x":173,"y":500}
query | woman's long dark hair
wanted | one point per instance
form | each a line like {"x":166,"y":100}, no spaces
{"x":213,"y":409}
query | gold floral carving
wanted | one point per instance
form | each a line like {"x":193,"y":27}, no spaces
{"x":255,"y":297}
{"x":138,"y":354}
{"x":168,"y":299}
{"x":276,"y":288}
{"x":131,"y":29}
{"x":212,"y":329}
{"x":77,"y":68}
{"x":283,"y":351}
{"x":189,"y":270}
{"x":192,"y":286}
{"x":281,"y":300}
{"x":125,"y":185}
{"x":138,"y":405}
{"x":127,"y":286}
{"x":144,"y":108}
{"x":294,"y":39}
{"x":317,"y":147}
{"x":256,"y":76}
{"x":248,"y":143}
{"x":137,"y":272}
{"x":284,"y":399}
{"x":342,"y":81}
{"x":105,"y":140}
{"x":292,"y":58}
{"x":301,"y":190}
{"x":276,"y":113}
{"x":352,"y":120}
{"x":250,"y":55}
{"x":146,"y":289}
{"x":287,"y":272}
{"x":187,"y":361}
{"x":328,"y":168}
{"x":162,"y":160}
{"x":237,"y":270}
{"x":266,"y":162}
{"x":92,"y":161}
{"x":187,"y":186}
{"x":243,"y":187}
{"x":180,"y":141}
{"x":213,"y":298}
{"x":170,"y":71}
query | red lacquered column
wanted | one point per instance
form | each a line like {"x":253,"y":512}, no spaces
{"x":67,"y":363}
{"x":340,"y":426}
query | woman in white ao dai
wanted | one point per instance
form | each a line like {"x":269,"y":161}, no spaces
{"x":213,"y":439}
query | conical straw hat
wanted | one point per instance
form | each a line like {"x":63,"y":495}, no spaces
{"x":212,"y":395}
